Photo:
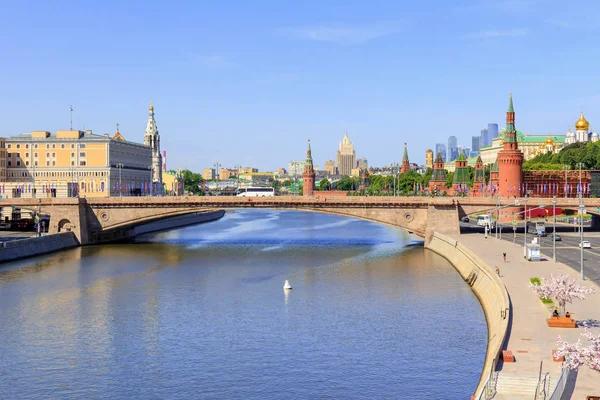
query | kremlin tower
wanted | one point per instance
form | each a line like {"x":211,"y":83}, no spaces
{"x":405,"y":163}
{"x":437,"y":183}
{"x":308,"y":176}
{"x":510,"y":159}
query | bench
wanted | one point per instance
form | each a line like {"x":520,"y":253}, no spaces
{"x":507,"y":356}
{"x":559,"y":359}
{"x":561,"y":322}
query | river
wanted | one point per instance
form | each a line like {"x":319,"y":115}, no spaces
{"x":200,"y":313}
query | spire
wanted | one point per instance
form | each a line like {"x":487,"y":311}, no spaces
{"x":308,"y":165}
{"x":438,"y":158}
{"x":510,"y":135}
{"x":405,"y":156}
{"x":405,"y":163}
{"x":118,"y":135}
{"x":510,"y":105}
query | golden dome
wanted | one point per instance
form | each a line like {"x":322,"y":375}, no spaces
{"x":151,"y":106}
{"x":549,"y":141}
{"x":582,"y":124}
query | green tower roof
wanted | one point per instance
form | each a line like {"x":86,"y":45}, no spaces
{"x":510,"y":104}
{"x":405,"y":156}
{"x":438,"y":158}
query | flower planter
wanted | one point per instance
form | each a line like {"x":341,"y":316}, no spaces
{"x":559,"y":359}
{"x":561,"y":322}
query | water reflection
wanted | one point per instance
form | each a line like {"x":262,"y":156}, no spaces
{"x":200,"y":310}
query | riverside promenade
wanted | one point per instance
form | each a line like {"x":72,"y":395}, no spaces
{"x":529,"y":338}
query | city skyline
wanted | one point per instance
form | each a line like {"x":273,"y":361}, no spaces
{"x":347,"y":72}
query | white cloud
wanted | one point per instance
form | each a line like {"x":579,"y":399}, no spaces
{"x":499,"y":33}
{"x":347,"y":35}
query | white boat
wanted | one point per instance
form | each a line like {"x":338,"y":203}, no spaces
{"x":287,"y":286}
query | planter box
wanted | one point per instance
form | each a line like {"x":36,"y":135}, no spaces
{"x":561,"y":322}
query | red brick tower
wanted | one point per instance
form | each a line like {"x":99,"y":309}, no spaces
{"x":308,"y":176}
{"x":510,"y":158}
{"x":405,"y":163}
{"x":437,"y":183}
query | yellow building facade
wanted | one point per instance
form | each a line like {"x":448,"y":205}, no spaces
{"x":76,"y":163}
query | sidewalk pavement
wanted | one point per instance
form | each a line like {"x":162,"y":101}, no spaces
{"x":530,"y":339}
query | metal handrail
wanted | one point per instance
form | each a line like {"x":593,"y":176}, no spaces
{"x":560,"y":384}
{"x":489,"y":387}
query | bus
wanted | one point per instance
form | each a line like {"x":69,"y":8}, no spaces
{"x":483,"y":220}
{"x":256,"y":192}
{"x":536,"y":228}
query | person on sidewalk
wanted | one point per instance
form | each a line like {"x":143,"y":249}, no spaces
{"x":504,"y":255}
{"x":555,"y":313}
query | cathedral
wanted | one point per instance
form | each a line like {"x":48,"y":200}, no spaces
{"x":582,"y":132}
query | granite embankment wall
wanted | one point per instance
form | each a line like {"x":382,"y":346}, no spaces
{"x":18,"y":249}
{"x":490,"y":290}
{"x":179,"y":221}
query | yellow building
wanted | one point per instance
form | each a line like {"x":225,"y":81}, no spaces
{"x":2,"y":159}
{"x":173,"y":183}
{"x":429,"y":158}
{"x":77,"y":163}
{"x":247,"y":170}
{"x":208,"y":174}
{"x":529,"y":145}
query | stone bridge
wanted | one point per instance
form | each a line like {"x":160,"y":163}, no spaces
{"x":114,"y":218}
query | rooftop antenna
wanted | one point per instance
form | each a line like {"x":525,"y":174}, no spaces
{"x":71,"y":109}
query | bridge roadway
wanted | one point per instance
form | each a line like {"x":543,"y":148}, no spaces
{"x":104,"y":219}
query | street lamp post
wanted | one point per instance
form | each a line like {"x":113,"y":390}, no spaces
{"x":581,"y":211}
{"x":525,"y":228}
{"x":497,"y":214}
{"x":120,"y":166}
{"x":554,"y":228}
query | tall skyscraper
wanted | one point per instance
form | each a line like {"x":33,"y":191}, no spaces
{"x":152,"y":139}
{"x":452,"y":148}
{"x":440,"y":148}
{"x":483,"y":138}
{"x":492,"y":132}
{"x":429,"y":158}
{"x":475,"y":143}
{"x":346,"y":157}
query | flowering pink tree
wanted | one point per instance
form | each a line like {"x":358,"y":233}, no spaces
{"x":561,"y":289}
{"x":577,"y":355}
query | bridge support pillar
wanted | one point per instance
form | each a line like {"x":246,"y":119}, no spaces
{"x":443,"y":219}
{"x":69,"y":218}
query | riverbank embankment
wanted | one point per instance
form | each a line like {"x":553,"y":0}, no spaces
{"x":35,"y":246}
{"x":489,"y":289}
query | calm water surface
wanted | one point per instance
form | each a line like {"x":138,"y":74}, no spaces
{"x":199,"y":313}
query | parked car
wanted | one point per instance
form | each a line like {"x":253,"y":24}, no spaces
{"x":585,"y":244}
{"x":557,"y":237}
{"x":465,"y":219}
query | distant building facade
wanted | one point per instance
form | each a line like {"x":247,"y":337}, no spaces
{"x":330,"y":167}
{"x":346,"y":157}
{"x":296,"y":168}
{"x":429,"y":158}
{"x":440,"y":148}
{"x":582,"y":132}
{"x":208,"y":174}
{"x":475,"y":143}
{"x":363,"y":164}
{"x":452,"y":148}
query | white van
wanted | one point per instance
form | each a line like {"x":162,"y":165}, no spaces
{"x":483,"y":220}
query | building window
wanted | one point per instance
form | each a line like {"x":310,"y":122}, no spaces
{"x":26,"y":146}
{"x":53,"y":155}
{"x":35,"y":163}
{"x":72,"y":155}
{"x":9,"y":146}
{"x":26,"y":162}
{"x":35,"y":155}
{"x":81,"y":154}
{"x":62,"y":146}
{"x":47,"y":163}
{"x":26,"y":155}
{"x":18,"y":146}
{"x":18,"y":163}
{"x":53,"y":145}
{"x":72,"y":163}
{"x":72,"y":145}
{"x":35,"y":145}
{"x":82,"y":163}
{"x":53,"y":163}
{"x":47,"y":146}
{"x":47,"y":155}
{"x":9,"y":163}
{"x":82,"y":146}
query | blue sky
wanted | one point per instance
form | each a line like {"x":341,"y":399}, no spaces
{"x":248,"y":82}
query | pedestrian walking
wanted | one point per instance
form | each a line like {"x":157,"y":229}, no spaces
{"x":504,"y":255}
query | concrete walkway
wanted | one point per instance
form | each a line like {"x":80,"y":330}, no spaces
{"x":530,"y":339}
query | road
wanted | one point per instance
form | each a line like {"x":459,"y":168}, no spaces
{"x":567,"y":250}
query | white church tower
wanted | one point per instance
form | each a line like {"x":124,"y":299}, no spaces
{"x":582,"y":128}
{"x":152,"y":139}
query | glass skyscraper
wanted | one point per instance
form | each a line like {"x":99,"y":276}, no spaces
{"x":475,"y":143}
{"x":452,"y":148}
{"x":440,"y":148}
{"x":492,"y":132}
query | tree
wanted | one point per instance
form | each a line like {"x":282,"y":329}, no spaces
{"x":192,"y":182}
{"x":561,"y":289}
{"x":577,"y":355}
{"x":324,"y":184}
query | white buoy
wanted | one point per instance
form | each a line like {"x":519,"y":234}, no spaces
{"x":287,"y":286}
